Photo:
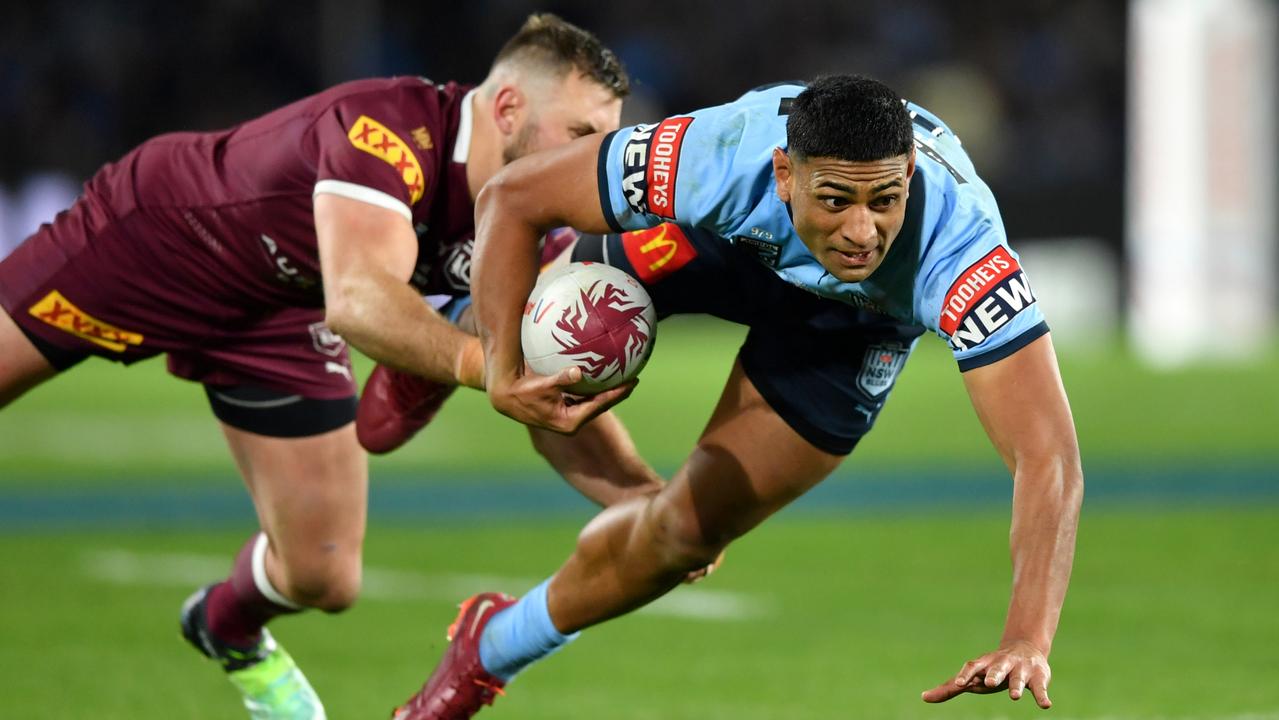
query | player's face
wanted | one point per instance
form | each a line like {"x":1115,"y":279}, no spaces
{"x":847,"y":213}
{"x":573,"y":107}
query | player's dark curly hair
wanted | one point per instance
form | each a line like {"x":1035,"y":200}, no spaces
{"x":848,"y":117}
{"x":564,"y":46}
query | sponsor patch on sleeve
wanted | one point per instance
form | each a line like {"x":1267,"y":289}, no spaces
{"x":377,"y":140}
{"x":658,"y":251}
{"x":58,"y":311}
{"x":985,"y":297}
{"x":650,"y":163}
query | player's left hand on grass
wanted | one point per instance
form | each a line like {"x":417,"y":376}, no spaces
{"x":1016,"y":666}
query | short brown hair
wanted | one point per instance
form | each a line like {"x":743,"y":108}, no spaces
{"x":563,"y":46}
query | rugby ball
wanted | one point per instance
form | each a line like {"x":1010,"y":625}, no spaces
{"x":593,"y":316}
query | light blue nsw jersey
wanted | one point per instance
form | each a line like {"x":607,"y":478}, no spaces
{"x":950,"y":270}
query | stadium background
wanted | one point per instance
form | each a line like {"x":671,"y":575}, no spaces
{"x":117,"y":495}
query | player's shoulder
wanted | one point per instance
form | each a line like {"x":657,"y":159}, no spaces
{"x":406,"y":123}
{"x":392,"y":95}
{"x":926,"y":120}
{"x":393,"y":118}
{"x":402,"y":103}
{"x":727,"y":132}
{"x":960,"y":204}
{"x":737,"y":138}
{"x":713,"y":164}
{"x":776,"y":94}
{"x":758,"y":115}
{"x":939,"y":152}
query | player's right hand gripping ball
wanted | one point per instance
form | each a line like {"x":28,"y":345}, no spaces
{"x":593,"y":316}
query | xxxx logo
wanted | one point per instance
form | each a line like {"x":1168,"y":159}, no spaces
{"x":377,"y":140}
{"x":57,"y":311}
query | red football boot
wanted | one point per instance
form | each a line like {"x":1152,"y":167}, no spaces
{"x":460,"y":686}
{"x":395,"y":406}
{"x":555,"y":243}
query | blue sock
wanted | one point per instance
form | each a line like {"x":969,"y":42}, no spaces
{"x":520,"y":634}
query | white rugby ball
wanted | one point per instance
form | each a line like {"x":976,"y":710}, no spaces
{"x":593,"y":316}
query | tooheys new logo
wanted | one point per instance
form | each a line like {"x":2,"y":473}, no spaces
{"x":650,"y":162}
{"x":985,"y":298}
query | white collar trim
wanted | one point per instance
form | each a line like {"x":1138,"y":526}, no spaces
{"x":462,"y":146}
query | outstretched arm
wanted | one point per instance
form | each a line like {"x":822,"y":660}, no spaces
{"x":367,"y":254}
{"x":525,"y":200}
{"x":1022,"y":404}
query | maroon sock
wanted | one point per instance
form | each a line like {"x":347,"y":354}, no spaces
{"x":236,"y":607}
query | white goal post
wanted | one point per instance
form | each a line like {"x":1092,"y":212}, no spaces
{"x":1201,"y":186}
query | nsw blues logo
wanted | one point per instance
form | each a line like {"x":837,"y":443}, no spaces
{"x":880,"y":367}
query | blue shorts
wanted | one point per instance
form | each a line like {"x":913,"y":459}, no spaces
{"x":824,"y":366}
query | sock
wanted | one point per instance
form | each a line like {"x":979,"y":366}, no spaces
{"x":519,"y":635}
{"x":241,"y":605}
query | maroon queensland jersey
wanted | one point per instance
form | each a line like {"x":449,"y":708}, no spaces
{"x":203,"y":245}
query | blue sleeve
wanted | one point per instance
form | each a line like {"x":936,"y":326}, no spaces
{"x":704,"y":169}
{"x":978,"y":297}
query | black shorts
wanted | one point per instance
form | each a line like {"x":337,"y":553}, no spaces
{"x":824,"y":366}
{"x":278,"y":414}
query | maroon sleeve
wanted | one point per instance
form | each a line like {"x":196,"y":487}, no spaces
{"x":367,"y":153}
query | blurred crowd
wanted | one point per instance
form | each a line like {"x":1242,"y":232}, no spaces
{"x":1034,"y":88}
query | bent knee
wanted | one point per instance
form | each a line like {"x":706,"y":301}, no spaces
{"x":331,"y":587}
{"x":683,"y":540}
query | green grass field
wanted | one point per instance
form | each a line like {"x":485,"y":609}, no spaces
{"x":105,"y":423}
{"x":839,"y":612}
{"x":1171,"y":615}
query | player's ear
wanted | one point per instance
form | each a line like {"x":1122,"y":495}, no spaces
{"x":782,"y":173}
{"x":910,"y":171}
{"x":510,"y":104}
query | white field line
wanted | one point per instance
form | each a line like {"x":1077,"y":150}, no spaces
{"x":124,"y":567}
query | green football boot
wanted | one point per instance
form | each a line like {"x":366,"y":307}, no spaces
{"x":272,"y":686}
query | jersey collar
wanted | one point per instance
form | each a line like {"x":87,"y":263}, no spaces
{"x":462,"y":146}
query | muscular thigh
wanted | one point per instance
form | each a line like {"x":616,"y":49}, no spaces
{"x":306,"y":472}
{"x":310,"y":493}
{"x":747,"y":464}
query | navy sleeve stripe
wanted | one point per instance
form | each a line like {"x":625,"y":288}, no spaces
{"x":601,"y":176}
{"x":1003,"y":351}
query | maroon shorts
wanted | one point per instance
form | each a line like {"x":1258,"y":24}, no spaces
{"x":125,"y":289}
